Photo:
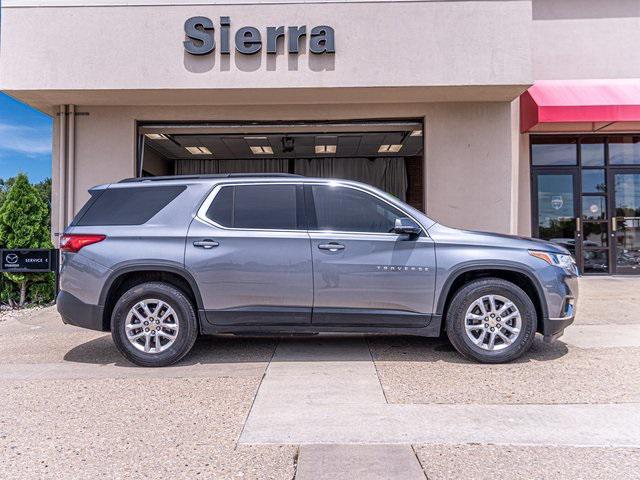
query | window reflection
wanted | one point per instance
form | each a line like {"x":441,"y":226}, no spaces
{"x":554,"y":151}
{"x":624,"y":150}
{"x":592,"y":152}
{"x":595,"y":234}
{"x":593,"y":181}
{"x":595,"y":261}
{"x":556,"y":220}
{"x":627,"y":203}
{"x":594,"y":208}
{"x":627,"y":194}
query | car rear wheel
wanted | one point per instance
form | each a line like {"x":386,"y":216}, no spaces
{"x":491,"y":321}
{"x":153,"y":324}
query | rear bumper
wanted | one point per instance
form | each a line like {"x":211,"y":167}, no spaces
{"x":75,"y":312}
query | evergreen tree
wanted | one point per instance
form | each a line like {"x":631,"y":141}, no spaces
{"x":24,"y":219}
{"x":5,"y":186}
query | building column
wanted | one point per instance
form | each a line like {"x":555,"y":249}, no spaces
{"x":63,"y":171}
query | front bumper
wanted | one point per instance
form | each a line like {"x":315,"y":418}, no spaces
{"x":75,"y":312}
{"x":554,"y":328}
{"x":562,"y":311}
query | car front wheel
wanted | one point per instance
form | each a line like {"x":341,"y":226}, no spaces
{"x":491,"y":320}
{"x":153,"y":324}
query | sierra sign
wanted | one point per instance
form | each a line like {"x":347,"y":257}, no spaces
{"x":200,"y":32}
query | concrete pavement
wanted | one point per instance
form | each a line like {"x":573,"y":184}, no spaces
{"x":325,"y":407}
{"x":326,"y":390}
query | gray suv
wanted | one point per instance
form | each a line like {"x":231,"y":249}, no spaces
{"x":157,"y":261}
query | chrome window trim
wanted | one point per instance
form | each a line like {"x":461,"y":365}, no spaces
{"x":373,"y":194}
{"x":202,"y":211}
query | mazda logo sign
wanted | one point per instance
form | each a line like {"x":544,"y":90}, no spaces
{"x":11,"y":258}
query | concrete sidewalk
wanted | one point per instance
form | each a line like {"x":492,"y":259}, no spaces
{"x":320,"y":396}
{"x":325,"y":407}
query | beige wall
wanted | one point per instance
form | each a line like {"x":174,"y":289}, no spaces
{"x":586,"y":39}
{"x":524,"y":188}
{"x":469,"y":162}
{"x":387,"y":44}
{"x":468,"y":150}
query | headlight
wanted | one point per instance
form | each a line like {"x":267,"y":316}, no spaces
{"x":555,"y":259}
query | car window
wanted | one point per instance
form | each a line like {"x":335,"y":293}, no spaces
{"x":344,"y":209}
{"x":126,"y":206}
{"x":255,"y":206}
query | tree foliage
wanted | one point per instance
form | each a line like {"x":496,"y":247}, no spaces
{"x":24,"y":217}
{"x":25,"y":223}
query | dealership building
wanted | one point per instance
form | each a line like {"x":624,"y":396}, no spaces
{"x":514,"y":116}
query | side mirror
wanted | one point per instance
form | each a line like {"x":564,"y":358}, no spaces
{"x":406,"y":226}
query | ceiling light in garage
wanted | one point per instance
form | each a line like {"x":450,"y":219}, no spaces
{"x":326,"y":148}
{"x":198,"y":150}
{"x":390,"y":148}
{"x":261,"y":150}
{"x":156,"y":136}
{"x":416,"y":133}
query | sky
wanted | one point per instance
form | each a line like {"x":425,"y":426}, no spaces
{"x":25,"y":140}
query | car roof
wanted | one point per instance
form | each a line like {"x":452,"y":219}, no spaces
{"x":221,"y":178}
{"x":214,"y":176}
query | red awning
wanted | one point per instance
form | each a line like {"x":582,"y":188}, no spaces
{"x":581,"y":105}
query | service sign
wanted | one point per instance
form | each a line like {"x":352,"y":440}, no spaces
{"x":29,"y":260}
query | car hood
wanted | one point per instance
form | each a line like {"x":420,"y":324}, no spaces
{"x":443,"y":234}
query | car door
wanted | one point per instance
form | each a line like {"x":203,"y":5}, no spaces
{"x":364,"y":274}
{"x":249,"y":252}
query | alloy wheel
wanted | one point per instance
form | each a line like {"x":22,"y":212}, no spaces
{"x":493,"y":322}
{"x":152,"y":325}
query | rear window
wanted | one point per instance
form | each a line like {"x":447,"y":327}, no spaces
{"x":126,"y":206}
{"x":272,"y":207}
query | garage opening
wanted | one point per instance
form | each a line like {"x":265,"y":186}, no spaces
{"x":386,"y":154}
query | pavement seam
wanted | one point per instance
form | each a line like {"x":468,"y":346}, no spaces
{"x":375,"y":365}
{"x":424,"y":470}
{"x":296,"y":461}
{"x":264,"y":374}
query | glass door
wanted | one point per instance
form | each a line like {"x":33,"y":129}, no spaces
{"x":556,"y":208}
{"x":595,"y":222}
{"x":625,"y":220}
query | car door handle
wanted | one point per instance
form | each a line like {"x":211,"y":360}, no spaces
{"x":206,"y":244}
{"x":332,"y":247}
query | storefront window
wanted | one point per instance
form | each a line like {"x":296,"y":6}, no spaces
{"x":624,"y":150}
{"x":594,"y":208}
{"x":556,"y":221}
{"x":606,"y":182}
{"x":592,"y":152}
{"x":554,"y":151}
{"x":593,"y":181}
{"x":596,"y":234}
{"x":596,"y":261}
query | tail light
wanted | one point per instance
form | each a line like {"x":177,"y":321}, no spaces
{"x":72,"y":243}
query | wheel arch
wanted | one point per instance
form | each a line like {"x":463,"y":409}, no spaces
{"x":516,"y":274}
{"x":130,"y":275}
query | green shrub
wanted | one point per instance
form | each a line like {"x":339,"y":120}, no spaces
{"x":24,"y":223}
{"x":9,"y":292}
{"x":42,"y":292}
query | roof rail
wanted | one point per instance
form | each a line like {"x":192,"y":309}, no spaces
{"x":205,"y":176}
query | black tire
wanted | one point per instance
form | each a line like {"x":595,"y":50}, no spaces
{"x":186,"y":319}
{"x":456,"y":321}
